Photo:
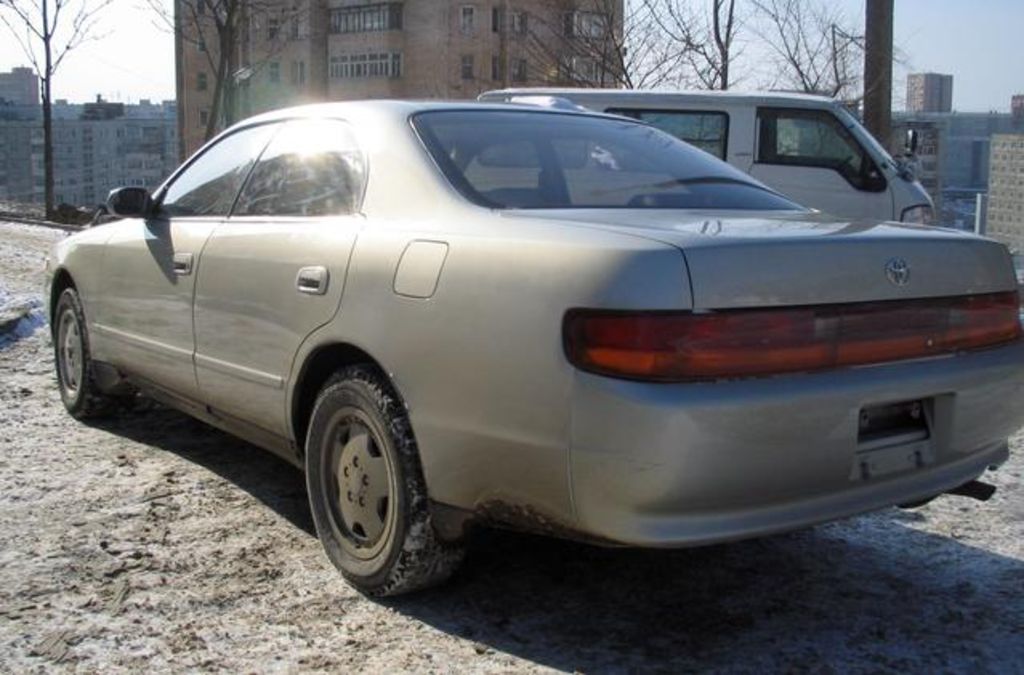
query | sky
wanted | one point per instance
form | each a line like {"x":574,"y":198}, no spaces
{"x":979,"y":42}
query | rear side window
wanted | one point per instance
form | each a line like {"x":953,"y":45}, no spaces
{"x":538,"y":160}
{"x":209,"y":185}
{"x":708,"y":131}
{"x":815,"y":138}
{"x":310,"y":168}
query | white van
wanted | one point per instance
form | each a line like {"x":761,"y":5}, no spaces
{"x":807,"y":147}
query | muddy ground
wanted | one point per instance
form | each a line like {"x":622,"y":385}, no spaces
{"x":154,"y":543}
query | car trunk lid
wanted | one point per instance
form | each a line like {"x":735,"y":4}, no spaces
{"x":742,"y":260}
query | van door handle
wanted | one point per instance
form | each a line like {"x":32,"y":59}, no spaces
{"x":183,"y":264}
{"x":312,"y":280}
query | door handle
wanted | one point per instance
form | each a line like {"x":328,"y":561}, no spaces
{"x":183,"y":264}
{"x":312,"y":280}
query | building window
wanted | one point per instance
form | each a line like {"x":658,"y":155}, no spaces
{"x":467,"y":67}
{"x":298,"y":72}
{"x":273,"y":27}
{"x":584,"y":24}
{"x":363,"y":66}
{"x":519,"y":25}
{"x":204,"y":119}
{"x":495,"y":68}
{"x":517,"y":21}
{"x":467,"y":17}
{"x":201,"y":81}
{"x":581,"y":69}
{"x":519,"y":70}
{"x":376,"y":17}
{"x":293,"y":32}
{"x":274,"y":71}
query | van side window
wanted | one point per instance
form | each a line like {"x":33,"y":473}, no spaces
{"x":815,"y":138}
{"x":310,"y":168}
{"x":708,"y":131}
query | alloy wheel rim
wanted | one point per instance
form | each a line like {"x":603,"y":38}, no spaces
{"x":360,"y":485}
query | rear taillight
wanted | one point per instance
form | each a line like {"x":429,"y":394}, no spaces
{"x":684,"y":346}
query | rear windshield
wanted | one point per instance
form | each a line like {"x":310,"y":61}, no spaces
{"x":546,"y":160}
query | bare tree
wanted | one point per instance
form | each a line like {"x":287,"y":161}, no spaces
{"x":47,"y":31}
{"x":816,"y":49}
{"x":237,"y":38}
{"x":705,"y":41}
{"x":606,"y":43}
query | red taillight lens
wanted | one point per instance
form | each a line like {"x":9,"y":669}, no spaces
{"x":681,"y":346}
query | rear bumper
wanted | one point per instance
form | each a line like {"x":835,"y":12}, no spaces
{"x":691,"y":464}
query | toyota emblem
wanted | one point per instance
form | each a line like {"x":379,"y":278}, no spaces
{"x":897,"y":271}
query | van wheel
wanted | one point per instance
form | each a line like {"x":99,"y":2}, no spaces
{"x":366,"y":488}
{"x":73,"y":362}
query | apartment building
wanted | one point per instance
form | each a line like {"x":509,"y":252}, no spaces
{"x":96,"y":147}
{"x":353,"y":49}
{"x":929,"y":93}
{"x":19,"y":86}
{"x":1005,"y":220}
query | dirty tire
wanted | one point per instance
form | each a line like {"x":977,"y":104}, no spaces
{"x":73,"y":362}
{"x":360,"y":445}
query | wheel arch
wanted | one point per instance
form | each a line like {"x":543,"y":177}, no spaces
{"x":316,"y":369}
{"x":62,"y":280}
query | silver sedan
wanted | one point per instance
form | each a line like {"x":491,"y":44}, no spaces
{"x":569,"y":323}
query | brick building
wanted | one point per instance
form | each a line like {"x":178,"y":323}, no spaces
{"x":929,"y":93}
{"x":354,"y":49}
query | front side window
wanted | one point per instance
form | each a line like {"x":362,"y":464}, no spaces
{"x":209,"y":185}
{"x":705,"y":130}
{"x":539,"y":159}
{"x":310,"y":168}
{"x":815,"y":138}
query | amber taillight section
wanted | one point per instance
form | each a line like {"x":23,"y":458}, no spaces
{"x":687,"y":346}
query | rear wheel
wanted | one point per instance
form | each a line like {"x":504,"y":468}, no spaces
{"x":366,"y":488}
{"x":73,"y":361}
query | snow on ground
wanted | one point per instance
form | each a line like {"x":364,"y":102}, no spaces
{"x":154,"y":543}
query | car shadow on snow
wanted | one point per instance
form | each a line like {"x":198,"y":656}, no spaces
{"x":268,"y":478}
{"x":872,"y":593}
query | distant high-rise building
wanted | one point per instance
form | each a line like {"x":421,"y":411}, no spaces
{"x":335,"y":50}
{"x":1006,"y":191}
{"x":96,"y":147}
{"x":19,"y":86}
{"x":929,"y":92}
{"x":1017,"y":109}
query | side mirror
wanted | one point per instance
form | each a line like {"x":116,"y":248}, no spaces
{"x":130,"y":202}
{"x":911,"y":143}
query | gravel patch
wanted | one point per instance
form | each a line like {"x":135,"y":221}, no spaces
{"x":154,"y":543}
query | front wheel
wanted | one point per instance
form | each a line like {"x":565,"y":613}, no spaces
{"x":73,"y":361}
{"x":366,"y":488}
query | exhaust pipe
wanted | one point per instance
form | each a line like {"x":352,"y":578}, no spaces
{"x":975,"y":489}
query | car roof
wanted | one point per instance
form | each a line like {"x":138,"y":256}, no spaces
{"x":665,"y":97}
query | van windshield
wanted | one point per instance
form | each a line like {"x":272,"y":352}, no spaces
{"x":875,"y":149}
{"x":549,"y":160}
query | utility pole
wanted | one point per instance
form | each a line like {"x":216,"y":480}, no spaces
{"x":878,"y":69}
{"x":504,"y":26}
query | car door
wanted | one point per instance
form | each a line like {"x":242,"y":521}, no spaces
{"x":809,"y":156}
{"x":152,"y":264}
{"x":274,"y":271}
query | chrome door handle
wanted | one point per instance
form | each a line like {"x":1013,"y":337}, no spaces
{"x":312,"y":280}
{"x":183,"y":264}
